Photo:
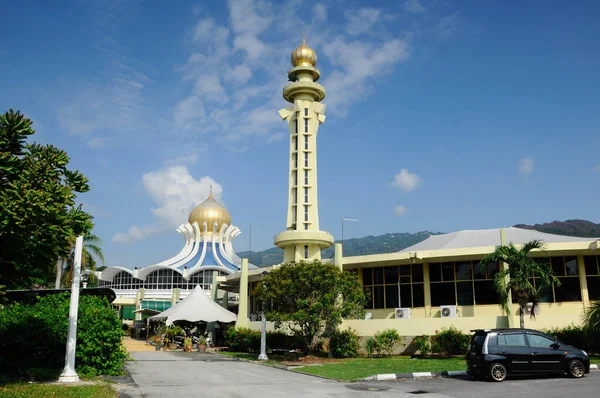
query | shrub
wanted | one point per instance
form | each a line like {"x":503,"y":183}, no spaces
{"x":370,"y":344}
{"x":280,"y":339}
{"x":344,"y":344}
{"x":242,"y":339}
{"x":450,"y":341}
{"x":577,"y":336}
{"x":34,"y":336}
{"x":385,"y":341}
{"x":422,"y":344}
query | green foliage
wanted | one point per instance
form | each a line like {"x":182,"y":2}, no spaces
{"x":591,"y":317}
{"x":306,"y":296}
{"x":91,"y":256}
{"x":422,"y":344}
{"x":242,"y":339}
{"x":34,"y":336}
{"x":344,"y":344}
{"x":521,"y":271}
{"x":370,"y":344}
{"x":39,"y":216}
{"x":385,"y":341}
{"x":581,"y":337}
{"x":280,"y":339}
{"x":450,"y":341}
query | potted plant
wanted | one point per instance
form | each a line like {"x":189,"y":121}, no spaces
{"x":157,"y":341}
{"x":201,"y":344}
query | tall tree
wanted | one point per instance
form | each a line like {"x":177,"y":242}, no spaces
{"x":307,"y":296}
{"x":521,"y":272}
{"x":39,"y":215}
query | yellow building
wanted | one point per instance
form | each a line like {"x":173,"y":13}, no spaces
{"x":433,"y":284}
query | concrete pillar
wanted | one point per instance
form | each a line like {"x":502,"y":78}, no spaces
{"x":225,"y":303}
{"x":139,"y":296}
{"x":427,"y":289}
{"x":69,"y":375}
{"x":175,"y":296}
{"x":338,"y":259}
{"x":585,"y":296}
{"x":214,"y":287}
{"x":242,"y":316}
{"x":510,"y":315}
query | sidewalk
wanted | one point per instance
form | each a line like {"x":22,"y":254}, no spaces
{"x":133,"y":345}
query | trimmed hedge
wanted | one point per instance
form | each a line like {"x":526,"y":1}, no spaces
{"x":34,"y":336}
{"x":576,"y":336}
{"x":447,"y":341}
{"x":248,"y":340}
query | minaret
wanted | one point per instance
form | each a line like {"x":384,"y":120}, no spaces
{"x":302,"y":239}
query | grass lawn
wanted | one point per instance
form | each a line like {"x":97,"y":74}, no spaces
{"x":358,"y":368}
{"x":25,"y":390}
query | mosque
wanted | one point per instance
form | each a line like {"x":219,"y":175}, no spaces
{"x":434,"y":284}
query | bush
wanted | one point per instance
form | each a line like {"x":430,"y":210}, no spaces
{"x":242,"y":340}
{"x":344,"y":344}
{"x":385,"y":341}
{"x":422,"y":344}
{"x":370,"y":344}
{"x":278,"y":339}
{"x":577,"y":336}
{"x":450,"y":341}
{"x":34,"y":336}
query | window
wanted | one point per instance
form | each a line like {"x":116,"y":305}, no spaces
{"x":305,"y":195}
{"x":295,"y":158}
{"x":306,"y":125}
{"x":203,"y":278}
{"x":305,"y":111}
{"x":305,"y":159}
{"x":566,"y":270}
{"x":296,"y":130}
{"x":592,"y":276}
{"x":462,"y":283}
{"x":306,"y":226}
{"x":305,"y":177}
{"x":537,"y":341}
{"x":394,"y":286}
{"x":306,"y":142}
{"x":305,"y":251}
{"x":514,"y":339}
{"x":295,"y":216}
{"x":295,"y":195}
{"x":295,"y":139}
{"x":305,"y":213}
{"x":295,"y":175}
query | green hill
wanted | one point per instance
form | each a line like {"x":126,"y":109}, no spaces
{"x":390,"y":243}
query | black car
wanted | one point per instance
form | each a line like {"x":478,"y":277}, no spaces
{"x":496,"y":353}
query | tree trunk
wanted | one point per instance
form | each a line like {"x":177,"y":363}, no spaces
{"x":59,"y":267}
{"x":522,"y":317}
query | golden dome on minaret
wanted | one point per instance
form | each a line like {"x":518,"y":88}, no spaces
{"x":304,"y":55}
{"x":210,"y":211}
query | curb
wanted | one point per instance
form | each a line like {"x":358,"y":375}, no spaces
{"x":416,"y":375}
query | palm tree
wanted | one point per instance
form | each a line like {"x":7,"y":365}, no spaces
{"x":591,"y":318}
{"x":521,"y":272}
{"x":91,"y":255}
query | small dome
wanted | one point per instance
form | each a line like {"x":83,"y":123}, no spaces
{"x":304,"y":55}
{"x":210,"y":211}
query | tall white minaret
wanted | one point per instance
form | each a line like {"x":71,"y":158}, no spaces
{"x":302,"y":239}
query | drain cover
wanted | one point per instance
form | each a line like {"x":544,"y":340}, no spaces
{"x":418,"y":392}
{"x":367,"y":387}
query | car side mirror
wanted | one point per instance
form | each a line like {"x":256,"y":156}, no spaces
{"x":556,"y":345}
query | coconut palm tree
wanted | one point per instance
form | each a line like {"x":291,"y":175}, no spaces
{"x":91,"y":255}
{"x":521,"y":272}
{"x":591,"y":318}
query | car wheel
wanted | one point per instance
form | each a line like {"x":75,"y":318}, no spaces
{"x":497,"y":371}
{"x":576,"y":368}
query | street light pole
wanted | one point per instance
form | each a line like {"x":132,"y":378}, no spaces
{"x":346,"y":219}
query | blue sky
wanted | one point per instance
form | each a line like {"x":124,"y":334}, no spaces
{"x":441,"y":115}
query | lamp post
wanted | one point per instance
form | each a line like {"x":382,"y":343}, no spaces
{"x":346,"y":219}
{"x":69,"y":375}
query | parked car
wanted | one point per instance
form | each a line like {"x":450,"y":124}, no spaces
{"x":497,"y":353}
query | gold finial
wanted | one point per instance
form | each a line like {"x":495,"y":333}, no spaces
{"x":304,"y":55}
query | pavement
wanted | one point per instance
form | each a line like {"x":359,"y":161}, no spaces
{"x":185,"y":374}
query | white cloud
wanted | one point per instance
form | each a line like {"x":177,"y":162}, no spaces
{"x":526,"y":166}
{"x":239,"y":75}
{"x":406,"y":181}
{"x":361,"y":21}
{"x":448,"y":25}
{"x":414,"y":6}
{"x":189,"y":110}
{"x":399,"y":211}
{"x":319,"y":13}
{"x":209,"y":88}
{"x":174,"y":192}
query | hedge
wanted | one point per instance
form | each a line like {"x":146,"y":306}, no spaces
{"x":34,"y":336}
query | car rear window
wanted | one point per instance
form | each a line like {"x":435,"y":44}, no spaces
{"x":477,"y":340}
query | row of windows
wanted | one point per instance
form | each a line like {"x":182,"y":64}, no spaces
{"x":469,"y":283}
{"x":163,"y":279}
{"x":295,"y":177}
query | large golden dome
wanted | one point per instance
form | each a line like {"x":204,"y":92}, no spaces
{"x":304,"y":55}
{"x":210,"y":211}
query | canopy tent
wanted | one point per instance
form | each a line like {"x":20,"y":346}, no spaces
{"x":196,"y":307}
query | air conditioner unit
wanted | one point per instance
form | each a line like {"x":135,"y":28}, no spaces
{"x":402,"y":313}
{"x":448,"y":311}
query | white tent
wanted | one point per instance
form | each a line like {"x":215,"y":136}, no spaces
{"x":196,"y":307}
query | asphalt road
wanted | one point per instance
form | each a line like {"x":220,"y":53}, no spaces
{"x":168,"y":374}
